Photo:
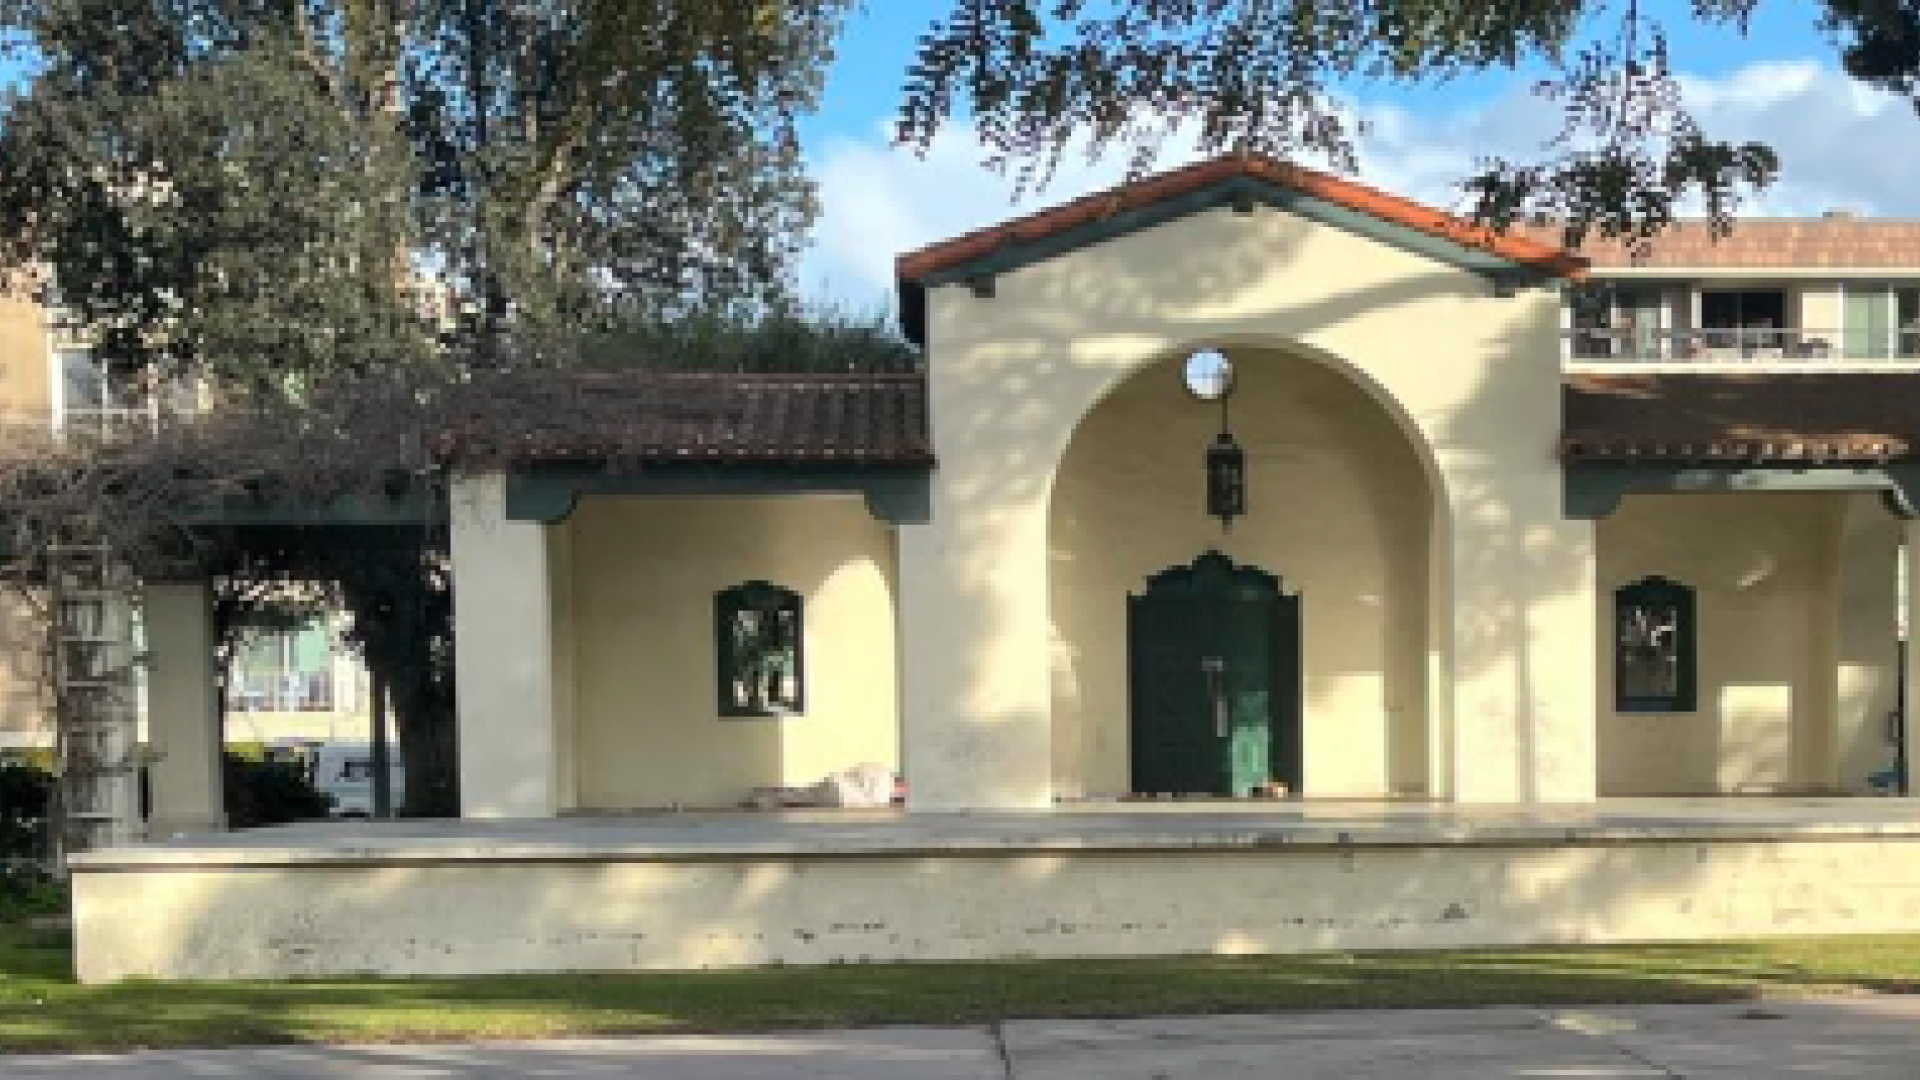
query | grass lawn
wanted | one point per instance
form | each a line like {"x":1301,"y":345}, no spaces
{"x":42,"y":1009}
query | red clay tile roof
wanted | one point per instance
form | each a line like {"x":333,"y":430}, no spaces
{"x":1544,"y":255}
{"x":1735,"y":418}
{"x":655,"y":417}
{"x":1764,"y":243}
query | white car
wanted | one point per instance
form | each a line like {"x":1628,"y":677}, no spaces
{"x":343,"y":771}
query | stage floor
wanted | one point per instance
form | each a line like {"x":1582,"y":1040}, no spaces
{"x":1074,"y":827}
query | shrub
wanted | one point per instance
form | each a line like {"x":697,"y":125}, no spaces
{"x":26,"y":888}
{"x":26,"y":797}
{"x":270,"y":793}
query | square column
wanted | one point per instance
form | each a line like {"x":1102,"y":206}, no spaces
{"x":505,"y":683}
{"x":183,"y":710}
{"x":1909,"y":713}
{"x":976,"y":710}
{"x":1525,"y":688}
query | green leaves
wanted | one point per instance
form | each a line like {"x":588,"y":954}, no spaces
{"x":241,"y":187}
{"x":1266,"y":76}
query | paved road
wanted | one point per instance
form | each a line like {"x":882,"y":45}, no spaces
{"x":1859,"y":1039}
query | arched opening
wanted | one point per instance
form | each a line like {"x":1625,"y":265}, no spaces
{"x":1340,"y":509}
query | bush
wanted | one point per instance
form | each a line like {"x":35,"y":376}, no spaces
{"x":26,"y":888}
{"x":26,"y":798}
{"x":270,"y":793}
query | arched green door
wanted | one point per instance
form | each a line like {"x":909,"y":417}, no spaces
{"x":1215,"y":671}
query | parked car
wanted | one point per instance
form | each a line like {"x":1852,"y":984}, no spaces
{"x":343,"y":771}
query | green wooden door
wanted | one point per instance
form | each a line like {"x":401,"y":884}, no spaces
{"x":1214,"y":695}
{"x":1170,"y":697}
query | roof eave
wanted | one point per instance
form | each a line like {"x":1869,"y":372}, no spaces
{"x":1241,"y":183}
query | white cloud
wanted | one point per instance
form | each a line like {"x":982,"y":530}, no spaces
{"x":1755,"y":86}
{"x":879,"y":201}
{"x":1841,"y":145}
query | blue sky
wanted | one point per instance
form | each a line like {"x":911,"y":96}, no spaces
{"x":1841,"y":145}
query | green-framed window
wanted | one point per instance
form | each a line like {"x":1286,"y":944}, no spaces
{"x":759,"y":634}
{"x":1655,"y":643}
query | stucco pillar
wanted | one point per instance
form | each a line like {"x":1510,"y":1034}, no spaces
{"x":183,"y":710}
{"x":976,"y":727}
{"x":505,"y":683}
{"x":1867,"y":647}
{"x":1524,"y":625}
{"x":1911,"y":695}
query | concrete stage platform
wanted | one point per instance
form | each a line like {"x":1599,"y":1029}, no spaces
{"x":734,"y":889}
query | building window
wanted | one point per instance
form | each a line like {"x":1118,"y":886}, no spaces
{"x":1653,"y":666}
{"x":94,"y":394}
{"x":759,"y":633}
{"x":1617,"y":322}
{"x":283,"y":670}
{"x":86,"y":385}
{"x":1882,"y":321}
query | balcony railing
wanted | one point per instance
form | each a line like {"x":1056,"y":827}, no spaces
{"x":288,"y":691}
{"x":1741,"y":344}
{"x":107,"y":424}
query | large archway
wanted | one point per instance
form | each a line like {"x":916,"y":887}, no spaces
{"x":1341,"y":509}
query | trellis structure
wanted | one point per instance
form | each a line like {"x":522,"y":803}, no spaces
{"x":91,"y":597}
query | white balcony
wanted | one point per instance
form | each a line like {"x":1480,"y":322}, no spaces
{"x":281,"y":691}
{"x":1774,"y":348}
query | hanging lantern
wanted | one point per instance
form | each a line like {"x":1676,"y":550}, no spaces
{"x":1209,"y":378}
{"x":1226,"y":480}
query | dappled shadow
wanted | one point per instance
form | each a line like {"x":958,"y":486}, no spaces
{"x":41,"y":1011}
{"x":640,"y":629}
{"x":1338,"y":507}
{"x":1469,"y":377}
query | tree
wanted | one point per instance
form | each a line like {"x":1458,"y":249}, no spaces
{"x":265,"y":198}
{"x":1040,"y":80}
{"x":248,"y":187}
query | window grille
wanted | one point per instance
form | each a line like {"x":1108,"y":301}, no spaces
{"x":1654,"y":647}
{"x":761,"y":665}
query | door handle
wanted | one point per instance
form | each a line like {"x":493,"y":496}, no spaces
{"x":1216,"y":672}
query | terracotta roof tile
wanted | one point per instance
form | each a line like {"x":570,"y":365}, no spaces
{"x":1537,"y":252}
{"x":1764,"y":243}
{"x":1760,"y":418}
{"x":654,"y":417}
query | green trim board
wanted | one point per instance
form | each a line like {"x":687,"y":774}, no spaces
{"x":549,"y":493}
{"x":1240,"y":194}
{"x":1593,"y":490}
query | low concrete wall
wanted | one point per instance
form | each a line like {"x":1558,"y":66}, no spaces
{"x":271,"y":917}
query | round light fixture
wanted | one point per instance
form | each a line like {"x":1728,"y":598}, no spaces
{"x":1209,"y":375}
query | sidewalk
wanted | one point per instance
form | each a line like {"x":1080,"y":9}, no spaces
{"x":1858,"y":1038}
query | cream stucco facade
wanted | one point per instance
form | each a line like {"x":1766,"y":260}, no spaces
{"x":644,"y":572}
{"x":1402,"y":483}
{"x":965,"y":617}
{"x":1400,"y":417}
{"x":1459,"y":372}
{"x":1339,"y":506}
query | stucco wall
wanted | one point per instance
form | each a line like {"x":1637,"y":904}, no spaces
{"x":1868,"y":647}
{"x":643,"y":574}
{"x":1337,"y":506}
{"x":1474,"y":374}
{"x":24,"y":397}
{"x":25,"y":366}
{"x":454,"y":916}
{"x":1763,"y":570}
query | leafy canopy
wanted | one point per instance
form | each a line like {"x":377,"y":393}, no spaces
{"x":258,"y":186}
{"x":1042,"y":79}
